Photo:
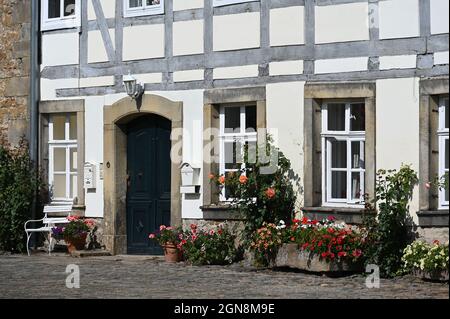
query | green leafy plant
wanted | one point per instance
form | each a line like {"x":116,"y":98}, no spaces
{"x":426,"y":257}
{"x":389,"y":231}
{"x":261,"y":195}
{"x":19,"y":183}
{"x":213,"y":247}
{"x":266,"y":242}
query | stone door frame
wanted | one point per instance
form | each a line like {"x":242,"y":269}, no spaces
{"x":116,"y":117}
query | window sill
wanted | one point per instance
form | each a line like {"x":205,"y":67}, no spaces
{"x":346,"y":214}
{"x":433,"y":218}
{"x":220,"y":212}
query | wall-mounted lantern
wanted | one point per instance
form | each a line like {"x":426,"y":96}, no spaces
{"x":132,"y":87}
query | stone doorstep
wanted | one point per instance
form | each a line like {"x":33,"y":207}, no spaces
{"x":90,"y":253}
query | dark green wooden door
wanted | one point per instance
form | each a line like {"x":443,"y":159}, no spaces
{"x":149,"y":168}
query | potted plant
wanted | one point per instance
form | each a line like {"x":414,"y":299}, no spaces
{"x":169,"y":239}
{"x":74,"y":233}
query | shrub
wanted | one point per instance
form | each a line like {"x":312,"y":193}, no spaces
{"x":75,"y":229}
{"x":19,"y":183}
{"x":389,"y":232}
{"x":426,"y":257}
{"x":167,"y":235}
{"x":213,"y":247}
{"x":262,"y":193}
{"x":265,"y":243}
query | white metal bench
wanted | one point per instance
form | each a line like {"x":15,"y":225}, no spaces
{"x":48,"y":223}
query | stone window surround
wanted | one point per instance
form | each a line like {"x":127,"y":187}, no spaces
{"x":213,"y":99}
{"x":315,"y":93}
{"x":47,"y":108}
{"x":430,"y":91}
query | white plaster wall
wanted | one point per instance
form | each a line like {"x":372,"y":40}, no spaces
{"x":398,"y":62}
{"x":439,"y":11}
{"x":285,"y":104}
{"x":188,"y":75}
{"x":286,"y":68}
{"x":108,"y":7}
{"x":341,"y":65}
{"x":148,"y":77}
{"x":96,"y":47}
{"x":441,"y":58}
{"x":192,"y":142}
{"x":399,"y":19}
{"x":236,"y":72}
{"x":287,"y":26}
{"x":96,"y":81}
{"x":94,"y":152}
{"x":179,"y":5}
{"x":60,"y":49}
{"x":397,"y":126}
{"x":188,"y":37}
{"x":341,"y":23}
{"x":236,"y":31}
{"x":49,"y":87}
{"x":136,"y":47}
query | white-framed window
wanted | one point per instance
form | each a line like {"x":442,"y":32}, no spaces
{"x":60,"y":14}
{"x":343,"y":145}
{"x":136,"y":8}
{"x":443,"y":148}
{"x":63,"y":156}
{"x":218,"y":3}
{"x":237,"y":129}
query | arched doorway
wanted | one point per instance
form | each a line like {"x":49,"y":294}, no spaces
{"x":120,"y":119}
{"x":148,"y":186}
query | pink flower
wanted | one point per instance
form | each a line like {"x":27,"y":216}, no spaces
{"x":270,"y":193}
{"x":211,"y":232}
{"x":162,"y":227}
{"x":357,"y":253}
{"x":152,"y":236}
{"x":428,"y":185}
{"x":331,"y":218}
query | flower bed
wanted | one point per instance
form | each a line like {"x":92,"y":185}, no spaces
{"x":318,"y":246}
{"x":427,"y":261}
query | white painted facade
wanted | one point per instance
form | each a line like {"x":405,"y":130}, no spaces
{"x":242,"y":51}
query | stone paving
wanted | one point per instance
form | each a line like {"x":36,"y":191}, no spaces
{"x":41,"y":276}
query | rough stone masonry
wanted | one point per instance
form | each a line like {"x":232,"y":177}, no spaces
{"x":15,"y":17}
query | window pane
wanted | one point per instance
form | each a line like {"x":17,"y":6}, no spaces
{"x":357,"y":117}
{"x":339,"y":154}
{"x":135,"y":3}
{"x":358,"y":155}
{"x":336,"y":117}
{"x":73,"y":126}
{"x":73,"y":160}
{"x":447,"y":115}
{"x":252,"y":150}
{"x":59,"y":127}
{"x":59,"y":186}
{"x":54,"y":9}
{"x":446,"y":154}
{"x":250,"y":119}
{"x":153,"y":2}
{"x":356,"y":185}
{"x":232,"y":119}
{"x":73,"y":186}
{"x":233,"y":158}
{"x":339,"y":185}
{"x":69,"y":8}
{"x":59,"y":159}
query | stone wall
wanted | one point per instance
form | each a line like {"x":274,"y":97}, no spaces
{"x":15,"y":17}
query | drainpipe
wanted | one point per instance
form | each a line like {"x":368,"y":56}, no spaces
{"x":34,"y":91}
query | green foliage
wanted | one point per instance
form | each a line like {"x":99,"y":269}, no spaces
{"x":167,"y":235}
{"x":265,"y":244}
{"x":77,"y":228}
{"x":389,"y":233}
{"x":260,"y":194}
{"x":18,"y":185}
{"x":426,"y":257}
{"x":214,"y":247}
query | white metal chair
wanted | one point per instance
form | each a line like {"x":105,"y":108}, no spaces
{"x":48,"y":223}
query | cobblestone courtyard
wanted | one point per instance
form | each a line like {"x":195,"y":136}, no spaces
{"x":41,"y":276}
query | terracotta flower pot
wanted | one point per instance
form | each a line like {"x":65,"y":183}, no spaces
{"x":171,"y":253}
{"x":77,"y":243}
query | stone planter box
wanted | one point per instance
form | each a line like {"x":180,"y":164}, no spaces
{"x":289,"y":255}
{"x":432,"y":276}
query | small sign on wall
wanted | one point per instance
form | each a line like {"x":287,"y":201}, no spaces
{"x":89,"y":176}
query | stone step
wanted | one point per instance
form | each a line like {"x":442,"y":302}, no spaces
{"x":90,"y":253}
